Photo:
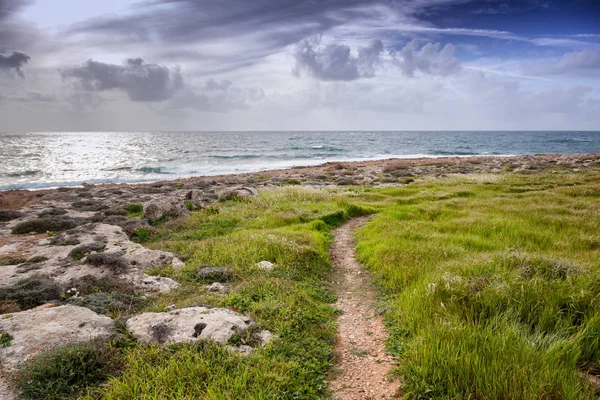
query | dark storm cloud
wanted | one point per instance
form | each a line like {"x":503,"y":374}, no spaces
{"x":335,"y":62}
{"x":14,"y":61}
{"x":269,"y":25}
{"x":141,"y":81}
{"x":14,"y":34}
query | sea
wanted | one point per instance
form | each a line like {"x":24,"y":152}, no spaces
{"x":57,"y":159}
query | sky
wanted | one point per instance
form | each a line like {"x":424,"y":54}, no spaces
{"x":204,"y":65}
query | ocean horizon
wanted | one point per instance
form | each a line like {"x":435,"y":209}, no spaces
{"x":37,"y":160}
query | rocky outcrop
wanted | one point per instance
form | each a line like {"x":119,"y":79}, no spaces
{"x":188,"y":325}
{"x":157,"y":209}
{"x":44,"y":328}
{"x":119,"y":257}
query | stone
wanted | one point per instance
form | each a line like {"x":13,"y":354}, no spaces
{"x":264,"y":337}
{"x":216,"y":274}
{"x":265,"y":265}
{"x":188,"y":325}
{"x":216,"y":287}
{"x":155,"y":210}
{"x":194,"y":195}
{"x":43,"y":328}
{"x":242,"y":192}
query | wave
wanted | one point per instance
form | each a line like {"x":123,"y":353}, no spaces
{"x":154,"y":170}
{"x":19,"y":174}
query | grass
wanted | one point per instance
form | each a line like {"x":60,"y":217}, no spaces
{"x":489,"y":282}
{"x":492,"y":285}
{"x":288,"y":226}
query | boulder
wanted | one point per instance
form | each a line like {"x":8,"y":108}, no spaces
{"x":44,"y":328}
{"x":215,"y":274}
{"x":188,"y":325}
{"x":154,"y":210}
{"x":194,"y":195}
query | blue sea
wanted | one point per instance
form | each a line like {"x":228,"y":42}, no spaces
{"x":53,"y":159}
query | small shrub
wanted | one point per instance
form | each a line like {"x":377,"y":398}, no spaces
{"x":108,"y":303}
{"x":82,"y":250}
{"x":30,"y":292}
{"x":5,"y":339}
{"x":142,"y":234}
{"x":36,"y":260}
{"x":89,"y":284}
{"x":45,"y":224}
{"x":63,"y":240}
{"x":135,"y":208}
{"x":291,"y":182}
{"x":112,"y":261}
{"x":68,"y":372}
{"x":9,"y":215}
{"x":4,"y":260}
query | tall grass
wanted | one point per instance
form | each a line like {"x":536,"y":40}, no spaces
{"x":492,"y":285}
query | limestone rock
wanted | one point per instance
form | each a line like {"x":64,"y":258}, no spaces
{"x":242,"y":192}
{"x":188,"y":325}
{"x":265,"y":265}
{"x":217,"y":274}
{"x":264,"y":337}
{"x":194,"y":195}
{"x":216,"y":287}
{"x":159,"y":208}
{"x":44,"y":328}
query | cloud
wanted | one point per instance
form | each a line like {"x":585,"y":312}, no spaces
{"x":140,"y":80}
{"x":14,"y":33}
{"x":335,"y":62}
{"x":429,"y":59}
{"x":31,"y":96}
{"x":216,"y":96}
{"x":14,"y":61}
{"x":587,"y":60}
{"x":257,"y":28}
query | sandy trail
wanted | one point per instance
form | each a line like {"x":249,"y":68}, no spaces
{"x":362,"y":367}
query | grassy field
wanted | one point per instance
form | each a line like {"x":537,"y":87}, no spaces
{"x":490,"y":283}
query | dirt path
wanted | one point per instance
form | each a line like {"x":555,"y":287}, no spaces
{"x":361,"y":370}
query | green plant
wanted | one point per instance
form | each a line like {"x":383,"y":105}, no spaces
{"x":141,"y":234}
{"x":68,"y":372}
{"x":135,"y":208}
{"x":5,"y":339}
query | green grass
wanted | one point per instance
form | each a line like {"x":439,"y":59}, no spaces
{"x":492,"y":285}
{"x":288,"y":226}
{"x":490,"y":282}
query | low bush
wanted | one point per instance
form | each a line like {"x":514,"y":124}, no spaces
{"x":30,"y":292}
{"x":45,"y":224}
{"x":68,"y":372}
{"x":116,"y":263}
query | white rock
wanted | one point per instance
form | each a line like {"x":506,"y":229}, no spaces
{"x":44,"y":328}
{"x":266,"y":265}
{"x":188,"y":325}
{"x":216,"y":287}
{"x":264,"y":337}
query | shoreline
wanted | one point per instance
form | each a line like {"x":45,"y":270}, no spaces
{"x":371,"y":163}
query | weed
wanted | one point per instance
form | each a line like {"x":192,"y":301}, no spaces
{"x":45,"y":224}
{"x":5,"y":339}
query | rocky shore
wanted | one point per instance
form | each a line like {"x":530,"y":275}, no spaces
{"x":63,"y":244}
